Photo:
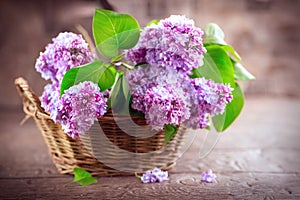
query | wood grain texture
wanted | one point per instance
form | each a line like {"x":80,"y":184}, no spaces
{"x":258,"y":158}
{"x":180,"y":186}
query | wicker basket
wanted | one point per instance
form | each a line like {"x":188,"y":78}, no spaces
{"x":68,"y":153}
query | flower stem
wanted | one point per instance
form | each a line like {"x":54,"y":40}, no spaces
{"x":124,"y":65}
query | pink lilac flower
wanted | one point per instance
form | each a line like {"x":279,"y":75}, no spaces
{"x":68,"y":50}
{"x":156,"y":175}
{"x":168,"y":97}
{"x":164,"y":106}
{"x":208,"y":177}
{"x":210,"y":98}
{"x":174,"y":42}
{"x":161,"y":94}
{"x":50,"y":99}
{"x":79,"y":107}
{"x":147,"y":76}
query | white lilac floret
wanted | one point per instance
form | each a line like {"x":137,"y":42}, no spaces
{"x":67,"y":50}
{"x":174,"y":42}
{"x":79,"y":107}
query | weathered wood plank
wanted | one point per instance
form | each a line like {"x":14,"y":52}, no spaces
{"x":180,"y":186}
{"x":250,"y":160}
{"x":220,"y":161}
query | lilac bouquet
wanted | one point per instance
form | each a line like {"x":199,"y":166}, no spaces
{"x":171,"y":73}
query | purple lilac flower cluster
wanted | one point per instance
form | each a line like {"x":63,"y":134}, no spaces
{"x":160,"y":94}
{"x":79,"y":107}
{"x":208,"y":177}
{"x":162,"y":88}
{"x":174,"y":42}
{"x":50,"y":99}
{"x":166,"y":97}
{"x":209,"y":98}
{"x":67,"y":51}
{"x":81,"y":104}
{"x":156,"y":175}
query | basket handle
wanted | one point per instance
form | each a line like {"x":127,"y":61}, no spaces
{"x":31,"y":102}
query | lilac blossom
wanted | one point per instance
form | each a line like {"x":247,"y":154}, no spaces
{"x":161,"y":94}
{"x":164,"y":106}
{"x":160,"y":175}
{"x":79,"y":107}
{"x":168,"y":97}
{"x":67,"y":50}
{"x":156,"y":175}
{"x":162,"y":90}
{"x":208,"y":177}
{"x":50,"y":99}
{"x":148,"y":177}
{"x":209,"y":98}
{"x":174,"y":42}
{"x":147,"y":76}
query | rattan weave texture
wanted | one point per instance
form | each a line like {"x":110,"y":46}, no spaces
{"x":68,"y":153}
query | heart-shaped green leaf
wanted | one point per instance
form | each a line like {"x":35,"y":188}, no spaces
{"x":217,"y":66}
{"x":83,"y":177}
{"x":97,"y":72}
{"x":113,"y":31}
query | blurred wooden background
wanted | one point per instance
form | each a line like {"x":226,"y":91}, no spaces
{"x":265,"y":32}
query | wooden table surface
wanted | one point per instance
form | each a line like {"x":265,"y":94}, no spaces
{"x":257,"y":158}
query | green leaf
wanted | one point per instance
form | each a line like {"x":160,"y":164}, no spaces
{"x":232,"y":111}
{"x":170,"y":131}
{"x":119,"y":96}
{"x":209,"y":70}
{"x":97,"y":72}
{"x":229,"y":49}
{"x":217,"y":66}
{"x":83,"y":177}
{"x":155,"y":21}
{"x":214,"y":34}
{"x":125,"y":88}
{"x":113,"y":31}
{"x":241,"y":73}
{"x":107,"y":78}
